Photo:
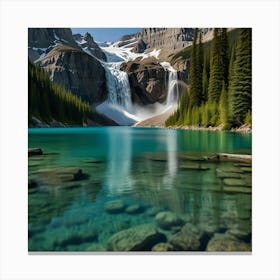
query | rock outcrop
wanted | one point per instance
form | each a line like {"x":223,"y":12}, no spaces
{"x":166,"y":38}
{"x":42,"y":40}
{"x":45,"y":37}
{"x":148,"y":80}
{"x":87,"y":43}
{"x":76,"y":71}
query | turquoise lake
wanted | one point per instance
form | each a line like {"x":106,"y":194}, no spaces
{"x":92,"y":183}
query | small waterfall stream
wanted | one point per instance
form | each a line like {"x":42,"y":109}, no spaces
{"x":172,"y":88}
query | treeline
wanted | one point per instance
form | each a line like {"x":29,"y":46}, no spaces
{"x":220,"y":83}
{"x":48,"y":100}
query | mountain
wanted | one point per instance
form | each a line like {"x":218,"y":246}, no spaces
{"x":135,"y":74}
{"x":89,"y":46}
{"x":69,"y":62}
{"x":76,"y":71}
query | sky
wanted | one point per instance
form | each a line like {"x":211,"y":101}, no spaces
{"x":106,"y":34}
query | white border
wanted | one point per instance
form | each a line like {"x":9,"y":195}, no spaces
{"x":17,"y":16}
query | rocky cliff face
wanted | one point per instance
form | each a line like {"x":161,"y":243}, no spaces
{"x":148,"y":80}
{"x":166,"y":38}
{"x":77,"y":71}
{"x":68,"y":60}
{"x":87,"y":43}
{"x":42,"y":40}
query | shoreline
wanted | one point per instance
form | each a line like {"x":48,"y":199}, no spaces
{"x":241,"y":129}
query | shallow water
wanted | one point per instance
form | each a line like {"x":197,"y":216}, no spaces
{"x":151,"y":169}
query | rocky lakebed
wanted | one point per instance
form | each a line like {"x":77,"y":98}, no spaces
{"x":205,"y":207}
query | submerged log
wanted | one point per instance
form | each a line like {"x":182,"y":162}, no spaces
{"x":35,"y":152}
{"x":235,"y":157}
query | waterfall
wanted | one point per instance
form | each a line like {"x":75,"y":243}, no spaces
{"x":119,"y":106}
{"x":172,"y":88}
{"x":118,"y":86}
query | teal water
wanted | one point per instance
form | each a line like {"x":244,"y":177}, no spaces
{"x":149,"y":168}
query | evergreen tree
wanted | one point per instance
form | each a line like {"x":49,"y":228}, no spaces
{"x":240,"y":91}
{"x":218,"y":64}
{"x":223,"y":108}
{"x":223,"y":41}
{"x":205,"y":78}
{"x":47,"y":100}
{"x":199,"y":70}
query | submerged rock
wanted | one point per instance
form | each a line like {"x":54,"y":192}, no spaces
{"x":193,"y":167}
{"x":113,"y":207}
{"x":228,"y":175}
{"x":188,"y":239}
{"x":75,"y":238}
{"x":231,"y":169}
{"x":167,"y":220}
{"x":35,"y":152}
{"x":60,"y":175}
{"x":227,"y":245}
{"x":185,"y":241}
{"x":133,"y":209}
{"x":162,"y":247}
{"x":234,"y":182}
{"x":241,"y":234}
{"x":235,"y":189}
{"x":139,"y":238}
{"x":246,"y":169}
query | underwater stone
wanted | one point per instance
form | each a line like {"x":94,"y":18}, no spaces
{"x":60,"y":175}
{"x":239,"y":233}
{"x":168,"y":219}
{"x":113,"y":207}
{"x":228,"y":175}
{"x":231,"y":169}
{"x":246,"y":169}
{"x":184,"y":241}
{"x":235,"y":189}
{"x":162,"y":247}
{"x":133,"y":209}
{"x":138,"y":238}
{"x":234,"y":182}
{"x":76,"y":238}
{"x":35,"y":152}
{"x":227,"y":245}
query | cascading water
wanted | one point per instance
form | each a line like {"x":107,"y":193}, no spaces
{"x":118,"y":86}
{"x":172,"y":88}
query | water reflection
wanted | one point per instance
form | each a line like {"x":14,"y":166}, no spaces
{"x":118,"y":178}
{"x":151,"y":168}
{"x":172,"y":162}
